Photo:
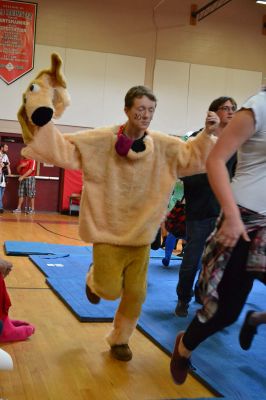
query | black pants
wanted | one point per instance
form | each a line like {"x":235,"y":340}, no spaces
{"x":233,"y":291}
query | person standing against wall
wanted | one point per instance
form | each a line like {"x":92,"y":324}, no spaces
{"x":27,"y":185}
{"x":4,"y":171}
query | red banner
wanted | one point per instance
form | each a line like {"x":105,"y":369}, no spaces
{"x":17,"y":39}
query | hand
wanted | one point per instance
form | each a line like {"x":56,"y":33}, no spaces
{"x":230,"y":232}
{"x":5,"y":267}
{"x":20,"y":178}
{"x":212,"y":122}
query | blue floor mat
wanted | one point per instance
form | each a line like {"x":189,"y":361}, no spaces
{"x":58,"y":266}
{"x":72,"y":292}
{"x":66,"y":275}
{"x":254,"y":397}
{"x":219,"y":361}
{"x":161,"y":254}
{"x":21,"y":248}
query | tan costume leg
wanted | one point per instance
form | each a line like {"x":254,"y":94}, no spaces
{"x":120,"y":271}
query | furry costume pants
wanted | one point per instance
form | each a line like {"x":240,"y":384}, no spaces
{"x":120,"y":271}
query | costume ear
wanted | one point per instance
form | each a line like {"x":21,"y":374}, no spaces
{"x":56,"y":70}
{"x":26,"y":125}
{"x":46,"y":97}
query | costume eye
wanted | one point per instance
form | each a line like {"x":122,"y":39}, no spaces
{"x":34,"y":87}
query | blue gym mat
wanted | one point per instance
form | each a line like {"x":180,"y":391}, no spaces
{"x":160,"y":254}
{"x":72,"y":292}
{"x":254,"y":397}
{"x":21,"y":248}
{"x":60,"y":266}
{"x":219,"y":361}
{"x":66,"y":275}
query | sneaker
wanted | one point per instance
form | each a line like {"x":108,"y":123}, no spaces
{"x":247,"y":332}
{"x":30,"y":211}
{"x":17,"y":211}
{"x":181,"y":309}
{"x":165,"y":262}
{"x":179,"y":365}
{"x":121,"y":352}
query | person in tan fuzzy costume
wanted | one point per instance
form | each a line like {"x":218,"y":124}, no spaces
{"x":129,"y":173}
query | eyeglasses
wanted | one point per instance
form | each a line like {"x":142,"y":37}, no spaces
{"x":228,"y":108}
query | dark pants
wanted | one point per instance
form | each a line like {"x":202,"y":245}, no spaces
{"x":233,"y":291}
{"x":197,"y":233}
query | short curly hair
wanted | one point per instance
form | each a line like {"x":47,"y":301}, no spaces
{"x":138,"y":92}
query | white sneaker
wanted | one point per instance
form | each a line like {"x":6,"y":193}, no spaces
{"x":17,"y":211}
{"x":6,"y":362}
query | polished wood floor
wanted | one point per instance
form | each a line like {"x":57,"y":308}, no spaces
{"x":66,"y":359}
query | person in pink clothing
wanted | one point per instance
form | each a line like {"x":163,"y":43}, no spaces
{"x":10,"y":330}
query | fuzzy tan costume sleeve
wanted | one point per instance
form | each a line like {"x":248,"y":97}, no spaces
{"x":124,"y":199}
{"x":189,"y":157}
{"x":50,"y":146}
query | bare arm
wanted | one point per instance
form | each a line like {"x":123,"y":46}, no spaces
{"x":238,"y":131}
{"x":21,"y":165}
{"x":25,"y":175}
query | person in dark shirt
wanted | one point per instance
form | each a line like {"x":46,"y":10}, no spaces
{"x":202,"y":210}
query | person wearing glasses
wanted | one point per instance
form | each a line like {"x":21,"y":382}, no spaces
{"x":202,"y":211}
{"x":236,"y":251}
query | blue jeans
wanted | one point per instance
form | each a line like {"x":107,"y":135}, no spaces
{"x":2,"y":190}
{"x":197,"y":233}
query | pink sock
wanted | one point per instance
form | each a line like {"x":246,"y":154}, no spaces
{"x":11,"y":333}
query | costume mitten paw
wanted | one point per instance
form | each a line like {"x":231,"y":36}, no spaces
{"x":13,"y":333}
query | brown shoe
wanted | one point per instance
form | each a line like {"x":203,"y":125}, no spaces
{"x":121,"y":352}
{"x":179,"y":365}
{"x":92,"y":297}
